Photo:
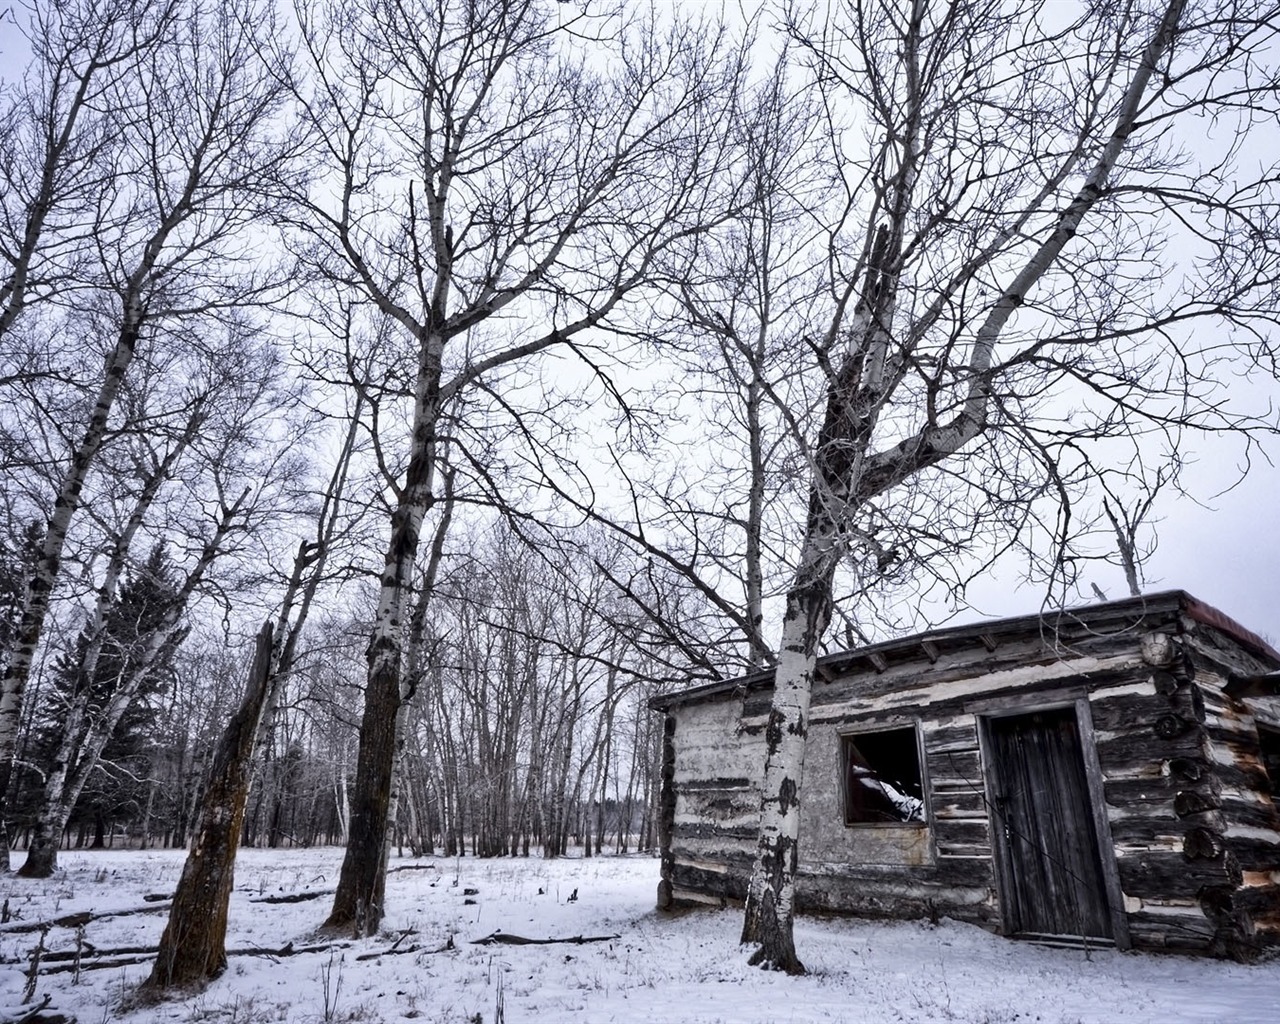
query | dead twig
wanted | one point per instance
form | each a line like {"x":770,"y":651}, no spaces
{"x":33,"y":972}
{"x":393,"y":951}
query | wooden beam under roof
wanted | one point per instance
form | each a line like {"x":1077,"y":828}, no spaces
{"x":1266,"y":685}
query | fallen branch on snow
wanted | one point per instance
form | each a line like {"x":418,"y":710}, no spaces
{"x":314,"y":894}
{"x":77,"y":920}
{"x":507,"y":939}
{"x":104,"y":959}
{"x":34,"y":1014}
{"x":408,"y":949}
{"x":295,"y":897}
{"x":89,"y":949}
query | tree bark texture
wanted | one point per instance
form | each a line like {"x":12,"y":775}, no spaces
{"x":771,"y":894}
{"x":193,"y":946}
{"x":358,"y":901}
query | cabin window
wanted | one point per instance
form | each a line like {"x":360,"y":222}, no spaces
{"x":883,"y":783}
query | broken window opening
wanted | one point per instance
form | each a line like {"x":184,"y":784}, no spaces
{"x":883,"y":781}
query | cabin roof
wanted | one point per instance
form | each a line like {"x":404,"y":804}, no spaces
{"x":1110,"y":616}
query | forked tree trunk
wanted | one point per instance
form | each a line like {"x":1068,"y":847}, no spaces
{"x":839,"y":458}
{"x":193,"y":946}
{"x":846,"y":474}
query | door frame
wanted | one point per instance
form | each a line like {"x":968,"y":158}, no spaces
{"x":1112,"y":892}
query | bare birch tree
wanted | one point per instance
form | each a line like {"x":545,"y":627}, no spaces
{"x":1001,"y":293}
{"x":496,"y":193}
{"x":59,"y":139}
{"x":193,"y":139}
{"x":213,"y":447}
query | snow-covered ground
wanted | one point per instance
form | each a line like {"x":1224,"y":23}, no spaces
{"x":660,"y":968}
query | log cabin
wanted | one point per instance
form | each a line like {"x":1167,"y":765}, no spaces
{"x":1106,"y":776}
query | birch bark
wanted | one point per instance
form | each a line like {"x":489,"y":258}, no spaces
{"x":358,"y":901}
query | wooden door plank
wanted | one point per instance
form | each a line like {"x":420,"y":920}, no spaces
{"x":1054,"y":874}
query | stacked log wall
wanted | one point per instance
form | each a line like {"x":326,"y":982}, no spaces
{"x":1244,"y":807}
{"x":716,"y":772}
{"x":1160,"y":797}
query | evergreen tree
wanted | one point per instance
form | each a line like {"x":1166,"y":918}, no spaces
{"x":116,"y":793}
{"x":17,"y":556}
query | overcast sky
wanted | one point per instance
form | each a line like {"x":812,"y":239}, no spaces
{"x":1223,"y":550}
{"x":1225,"y":553}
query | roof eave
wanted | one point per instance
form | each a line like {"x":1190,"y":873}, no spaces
{"x":990,"y":633}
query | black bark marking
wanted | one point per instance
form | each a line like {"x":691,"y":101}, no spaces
{"x":787,"y":797}
{"x":773,"y":731}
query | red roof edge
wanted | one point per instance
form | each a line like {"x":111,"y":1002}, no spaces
{"x":1210,"y":616}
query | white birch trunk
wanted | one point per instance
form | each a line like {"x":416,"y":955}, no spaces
{"x":358,"y":900}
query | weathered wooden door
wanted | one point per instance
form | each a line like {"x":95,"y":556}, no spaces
{"x":1051,"y":873}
